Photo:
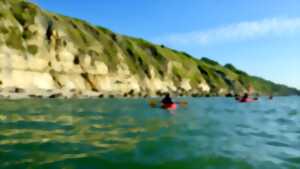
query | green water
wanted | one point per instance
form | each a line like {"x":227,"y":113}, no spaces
{"x":211,"y":133}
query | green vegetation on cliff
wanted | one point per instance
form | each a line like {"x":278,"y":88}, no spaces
{"x":28,"y":29}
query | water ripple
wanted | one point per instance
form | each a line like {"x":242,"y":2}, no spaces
{"x":211,"y":133}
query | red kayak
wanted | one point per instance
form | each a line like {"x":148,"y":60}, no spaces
{"x":248,"y":100}
{"x":171,"y":106}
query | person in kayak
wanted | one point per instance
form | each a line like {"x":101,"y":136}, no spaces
{"x":167,"y":100}
{"x":237,"y":97}
{"x":271,"y":97}
{"x":245,"y":97}
{"x":167,"y":103}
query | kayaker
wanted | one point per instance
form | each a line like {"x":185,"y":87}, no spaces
{"x":167,"y":100}
{"x":237,"y":97}
{"x":245,"y":98}
{"x":271,"y":97}
{"x":168,"y":104}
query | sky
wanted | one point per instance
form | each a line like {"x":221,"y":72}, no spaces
{"x":260,"y":37}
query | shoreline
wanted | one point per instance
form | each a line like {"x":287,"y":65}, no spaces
{"x":19,"y":94}
{"x":14,"y":93}
{"x":84,"y":95}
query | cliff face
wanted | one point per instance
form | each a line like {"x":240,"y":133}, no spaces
{"x":42,"y":51}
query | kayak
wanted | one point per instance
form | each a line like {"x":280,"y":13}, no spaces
{"x":171,"y":106}
{"x":248,"y":100}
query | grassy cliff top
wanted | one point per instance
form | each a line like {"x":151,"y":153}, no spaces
{"x":17,"y":27}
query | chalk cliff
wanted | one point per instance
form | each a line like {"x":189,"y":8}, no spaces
{"x":43,"y":53}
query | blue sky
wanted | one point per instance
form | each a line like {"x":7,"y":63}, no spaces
{"x":261,"y":37}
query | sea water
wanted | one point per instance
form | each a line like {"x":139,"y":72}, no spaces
{"x":208,"y":133}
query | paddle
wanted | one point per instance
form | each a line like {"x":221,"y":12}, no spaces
{"x":182,"y":103}
{"x":152,"y":103}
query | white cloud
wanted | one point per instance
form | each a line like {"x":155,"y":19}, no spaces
{"x":236,"y":32}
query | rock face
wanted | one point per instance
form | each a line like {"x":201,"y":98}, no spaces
{"x":42,"y":52}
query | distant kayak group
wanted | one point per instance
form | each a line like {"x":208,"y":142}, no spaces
{"x":168,"y":104}
{"x":246,"y":98}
